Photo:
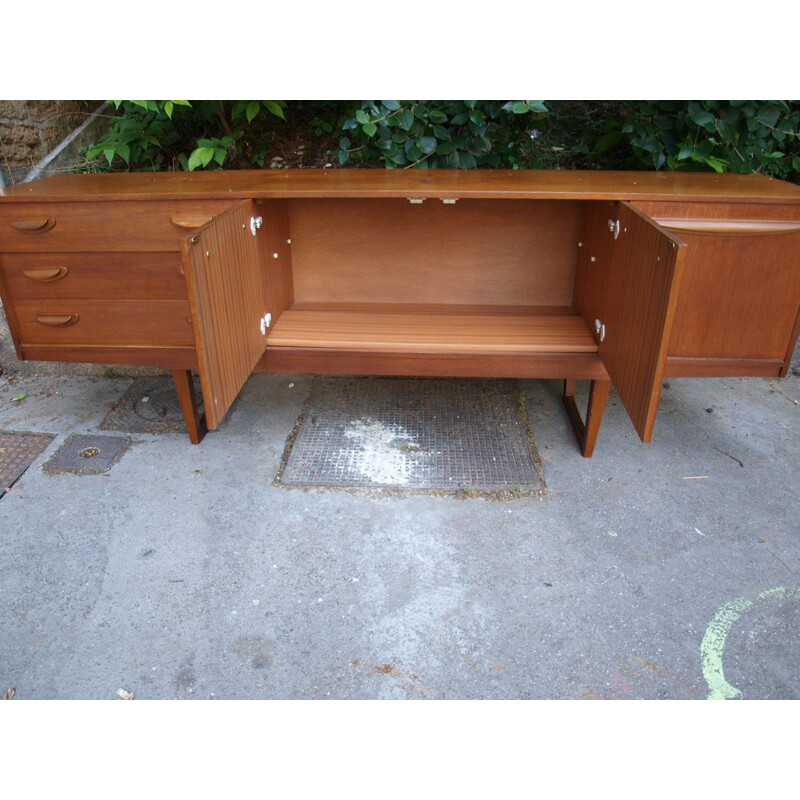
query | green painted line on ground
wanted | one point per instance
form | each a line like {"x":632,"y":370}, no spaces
{"x":713,"y":644}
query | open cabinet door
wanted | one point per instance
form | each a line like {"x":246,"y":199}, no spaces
{"x":644,"y":272}
{"x":226,"y":297}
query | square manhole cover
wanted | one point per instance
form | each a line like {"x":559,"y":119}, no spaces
{"x":17,"y":452}
{"x":424,"y":434}
{"x":87,"y":454}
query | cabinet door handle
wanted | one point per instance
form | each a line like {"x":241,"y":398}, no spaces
{"x":38,"y":225}
{"x":46,"y":275}
{"x":190,"y":221}
{"x":57,"y":320}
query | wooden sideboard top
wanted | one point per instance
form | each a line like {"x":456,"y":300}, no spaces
{"x":439,"y":183}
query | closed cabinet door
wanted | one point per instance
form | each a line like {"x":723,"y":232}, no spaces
{"x":228,"y":304}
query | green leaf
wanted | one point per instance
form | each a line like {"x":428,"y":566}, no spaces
{"x":769,"y":116}
{"x":520,"y":108}
{"x":124,"y":152}
{"x":412,"y":151}
{"x":343,"y":155}
{"x":370,"y":129}
{"x":109,"y":153}
{"x":19,"y":398}
{"x":362,"y":117}
{"x":405,"y":119}
{"x":427,"y":144}
{"x":251,"y":112}
{"x":466,"y":161}
{"x":274,"y":108}
{"x":201,"y":157}
{"x":344,"y":143}
{"x":701,"y":117}
{"x":168,"y":108}
{"x":391,"y":105}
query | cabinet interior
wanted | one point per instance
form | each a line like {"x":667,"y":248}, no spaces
{"x":469,"y":276}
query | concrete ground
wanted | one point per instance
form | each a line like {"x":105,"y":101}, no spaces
{"x":668,"y":570}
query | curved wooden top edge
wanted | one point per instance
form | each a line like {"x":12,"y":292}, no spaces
{"x":433,"y":184}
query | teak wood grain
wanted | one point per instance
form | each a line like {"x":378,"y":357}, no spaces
{"x":740,"y":294}
{"x":80,"y":275}
{"x":434,"y":183}
{"x":437,"y":333}
{"x":644,"y":272}
{"x":118,"y":323}
{"x":226,"y":296}
{"x":130,"y":225}
{"x":474,"y":252}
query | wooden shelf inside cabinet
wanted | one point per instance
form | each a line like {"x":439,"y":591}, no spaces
{"x":439,"y":331}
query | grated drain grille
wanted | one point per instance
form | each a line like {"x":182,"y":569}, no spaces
{"x":87,"y":454}
{"x":413,"y":434}
{"x":17,"y":452}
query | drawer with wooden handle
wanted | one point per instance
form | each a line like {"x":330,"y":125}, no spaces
{"x":124,"y":323}
{"x":112,"y":226}
{"x":116,"y":276}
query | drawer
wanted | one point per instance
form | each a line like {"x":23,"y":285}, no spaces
{"x":118,"y":225}
{"x":123,"y":323}
{"x":125,"y":276}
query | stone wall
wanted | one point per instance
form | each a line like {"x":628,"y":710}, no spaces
{"x":30,"y":129}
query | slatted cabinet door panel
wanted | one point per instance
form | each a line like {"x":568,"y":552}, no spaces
{"x":227,"y":301}
{"x":644,"y":275}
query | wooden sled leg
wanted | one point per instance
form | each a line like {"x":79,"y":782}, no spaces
{"x":586,"y":432}
{"x":195,"y":424}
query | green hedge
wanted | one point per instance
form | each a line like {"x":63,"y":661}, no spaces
{"x":720,"y":135}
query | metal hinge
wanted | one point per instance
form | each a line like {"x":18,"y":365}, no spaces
{"x":613,"y":226}
{"x":600,"y":329}
{"x":255,"y":224}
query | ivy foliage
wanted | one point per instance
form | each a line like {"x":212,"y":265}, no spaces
{"x":725,"y":136}
{"x":712,"y":135}
{"x":455,"y":134}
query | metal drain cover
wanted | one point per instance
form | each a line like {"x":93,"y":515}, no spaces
{"x":86,"y":454}
{"x":413,"y":434}
{"x":17,"y":452}
{"x":149,"y":406}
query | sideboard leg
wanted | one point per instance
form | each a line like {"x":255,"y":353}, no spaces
{"x":195,"y":424}
{"x":586,"y":432}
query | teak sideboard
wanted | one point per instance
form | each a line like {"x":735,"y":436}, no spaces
{"x":619,"y":277}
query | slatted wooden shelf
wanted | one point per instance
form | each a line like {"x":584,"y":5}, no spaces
{"x":480,"y":332}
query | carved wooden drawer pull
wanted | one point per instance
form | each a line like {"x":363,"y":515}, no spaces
{"x":190,"y":221}
{"x":730,"y":227}
{"x":38,"y":225}
{"x":57,"y":320}
{"x":46,"y":274}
